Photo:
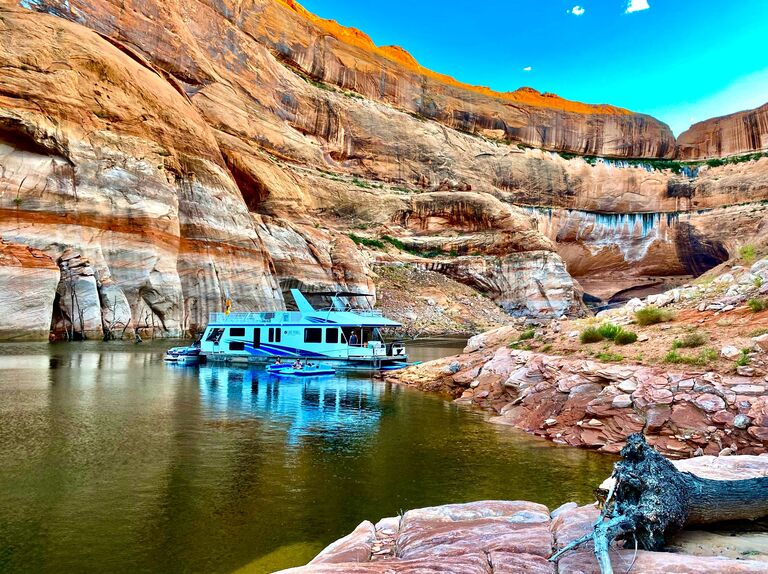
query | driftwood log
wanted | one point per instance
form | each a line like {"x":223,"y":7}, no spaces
{"x":650,"y":500}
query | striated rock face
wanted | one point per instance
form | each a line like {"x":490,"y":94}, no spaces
{"x":326,"y":52}
{"x":118,"y":179}
{"x":589,"y":404}
{"x":509,"y":537}
{"x":191,"y":152}
{"x":533,"y":283}
{"x":28,"y":281}
{"x":313,"y":259}
{"x":734,"y":134}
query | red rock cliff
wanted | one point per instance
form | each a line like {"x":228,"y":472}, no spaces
{"x":189,"y":39}
{"x":734,"y":134}
{"x":168,"y":155}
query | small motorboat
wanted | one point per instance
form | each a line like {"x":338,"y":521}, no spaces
{"x":183,"y":355}
{"x":306,"y":371}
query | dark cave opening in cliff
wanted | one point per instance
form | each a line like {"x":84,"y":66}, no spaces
{"x":697,"y":253}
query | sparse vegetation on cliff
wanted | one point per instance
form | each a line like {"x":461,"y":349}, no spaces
{"x":368,"y":242}
{"x":747,"y":253}
{"x":675,"y":166}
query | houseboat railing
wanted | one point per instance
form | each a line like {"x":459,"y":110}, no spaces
{"x":279,"y":316}
{"x":253,"y":317}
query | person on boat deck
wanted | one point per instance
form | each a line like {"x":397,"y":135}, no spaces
{"x":278,"y":361}
{"x":297,"y":364}
{"x":353,"y":339}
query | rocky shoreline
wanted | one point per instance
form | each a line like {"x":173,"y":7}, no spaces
{"x":506,"y":537}
{"x":596,"y":405}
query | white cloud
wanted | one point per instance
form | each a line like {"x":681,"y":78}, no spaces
{"x":527,"y":69}
{"x":576,"y":10}
{"x":636,"y":6}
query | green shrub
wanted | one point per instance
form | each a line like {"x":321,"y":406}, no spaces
{"x":394,"y":242}
{"x":757,"y":281}
{"x":707,"y":356}
{"x":689,"y":341}
{"x":704,"y":357}
{"x":609,"y":357}
{"x":747,"y":253}
{"x":375,"y":243}
{"x":758,"y":332}
{"x":651,"y":315}
{"x":625,"y":337}
{"x":674,"y":357}
{"x":756,"y":305}
{"x":527,"y":334}
{"x":590,"y":335}
{"x":608,"y":330}
{"x":743,"y":360}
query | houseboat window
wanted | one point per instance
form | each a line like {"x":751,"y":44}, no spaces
{"x":215,"y":335}
{"x":236,"y":346}
{"x":362,"y":334}
{"x":257,"y":338}
{"x":237,"y":331}
{"x":332,"y":335}
{"x":313,"y":335}
{"x":275,"y":334}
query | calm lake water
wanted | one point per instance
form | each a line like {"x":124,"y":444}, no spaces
{"x":112,"y":461}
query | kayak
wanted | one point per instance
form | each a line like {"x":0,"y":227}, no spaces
{"x":280,"y":367}
{"x":307,"y":372}
{"x":398,"y":366}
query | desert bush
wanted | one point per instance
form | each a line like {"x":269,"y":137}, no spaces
{"x":756,"y":305}
{"x":527,"y":334}
{"x":689,"y":341}
{"x":590,"y":335}
{"x":608,"y":330}
{"x":625,"y":337}
{"x":704,"y":357}
{"x":743,"y":360}
{"x":651,"y":315}
{"x":609,"y":357}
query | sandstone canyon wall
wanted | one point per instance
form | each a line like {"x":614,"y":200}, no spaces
{"x":166,"y":156}
{"x":733,"y":134}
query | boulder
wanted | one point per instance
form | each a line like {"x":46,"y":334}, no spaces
{"x":730,"y":352}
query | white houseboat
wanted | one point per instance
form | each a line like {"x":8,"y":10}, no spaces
{"x":338,"y":333}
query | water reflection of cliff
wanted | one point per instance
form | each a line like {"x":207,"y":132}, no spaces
{"x":315,"y":407}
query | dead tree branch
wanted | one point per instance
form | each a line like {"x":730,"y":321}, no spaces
{"x":651,"y":500}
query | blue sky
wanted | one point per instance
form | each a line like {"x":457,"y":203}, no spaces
{"x":679,"y":60}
